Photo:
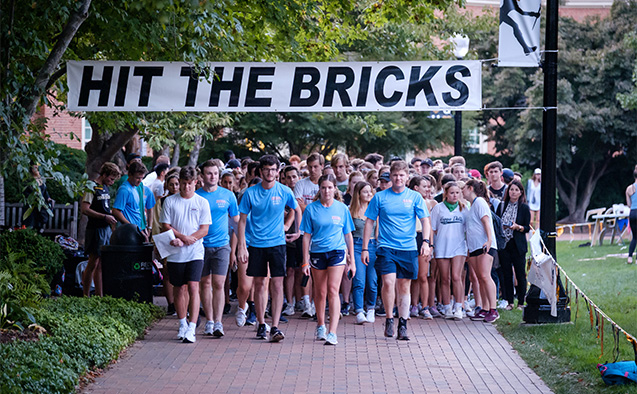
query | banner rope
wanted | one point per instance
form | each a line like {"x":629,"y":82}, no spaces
{"x":593,"y":308}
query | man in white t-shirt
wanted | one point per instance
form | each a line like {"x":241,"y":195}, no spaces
{"x":188,"y":216}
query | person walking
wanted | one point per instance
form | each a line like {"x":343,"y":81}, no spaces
{"x":265,"y":203}
{"x":631,"y":201}
{"x":482,"y":247}
{"x":396,"y":210}
{"x":327,"y":246}
{"x":516,"y":219}
{"x":365,"y":282}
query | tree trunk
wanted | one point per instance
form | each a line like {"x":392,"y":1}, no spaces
{"x":576,"y":198}
{"x":174,"y":162}
{"x":103,"y":147}
{"x":194,"y":153}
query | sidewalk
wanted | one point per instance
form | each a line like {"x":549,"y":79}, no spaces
{"x":442,"y":357}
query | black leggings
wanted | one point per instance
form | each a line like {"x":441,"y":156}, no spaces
{"x":632,"y":219}
{"x":510,"y":260}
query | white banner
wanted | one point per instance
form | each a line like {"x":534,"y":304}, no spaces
{"x":519,"y":33}
{"x":270,"y":87}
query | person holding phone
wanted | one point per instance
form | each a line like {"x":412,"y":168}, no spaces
{"x":516,"y":220}
{"x":328,"y":247}
{"x":482,"y":247}
{"x":450,"y":251}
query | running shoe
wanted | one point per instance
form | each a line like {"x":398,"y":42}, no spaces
{"x":320,"y":333}
{"x":283,"y":319}
{"x":371,"y":315}
{"x":457,"y":314}
{"x":209,"y":328}
{"x":361,"y":318}
{"x":467,"y":307}
{"x":261,"y":332}
{"x":189,"y":337}
{"x":434,"y":312}
{"x":240,"y":317}
{"x":182,"y":331}
{"x":492,"y":316}
{"x":331,"y":339}
{"x":252,"y":317}
{"x":288,"y":310}
{"x":276,"y":335}
{"x":402,"y":330}
{"x":310,"y":311}
{"x":426,"y":314}
{"x":448,"y":313}
{"x":502,"y":304}
{"x":480,"y":315}
{"x":381,"y":311}
{"x":474,"y":312}
{"x":413,"y":312}
{"x":299,"y":306}
{"x":389,"y":327}
{"x":345,"y":309}
{"x":218,"y":330}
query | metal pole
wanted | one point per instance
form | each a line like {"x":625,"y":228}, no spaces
{"x":549,"y":130}
{"x":457,"y":143}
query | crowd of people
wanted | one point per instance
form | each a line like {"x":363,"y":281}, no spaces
{"x":401,"y":240}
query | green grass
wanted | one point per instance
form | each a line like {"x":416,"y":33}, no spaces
{"x":565,"y":356}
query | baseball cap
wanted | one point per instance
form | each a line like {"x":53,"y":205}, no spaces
{"x":233,"y":163}
{"x":428,"y":162}
{"x":384,"y":177}
{"x":537,"y":171}
{"x":507,"y":175}
{"x":475,"y":174}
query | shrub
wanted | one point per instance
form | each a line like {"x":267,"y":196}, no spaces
{"x":44,"y":252}
{"x":84,"y":333}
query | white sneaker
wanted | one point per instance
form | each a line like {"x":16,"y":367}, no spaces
{"x":190,"y":335}
{"x":467,"y":306}
{"x":321,"y":333}
{"x":309,"y":311}
{"x":426,"y":314}
{"x":502,"y":304}
{"x":457,"y":314}
{"x":331,"y":339}
{"x":299,"y":306}
{"x":240,"y":317}
{"x":218,"y":329}
{"x":209,"y":328}
{"x":288,"y":311}
{"x":181,"y":334}
{"x":371,"y":315}
{"x":448,"y":312}
{"x":361,"y":318}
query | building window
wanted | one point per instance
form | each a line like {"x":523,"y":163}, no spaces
{"x":87,"y":132}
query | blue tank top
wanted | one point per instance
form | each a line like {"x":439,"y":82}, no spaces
{"x":633,"y":198}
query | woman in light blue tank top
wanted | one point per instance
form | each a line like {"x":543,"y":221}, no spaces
{"x":631,"y":201}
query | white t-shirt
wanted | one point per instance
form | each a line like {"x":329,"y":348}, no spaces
{"x":449,"y":239}
{"x":476,"y":237}
{"x":186,"y":215}
{"x":157,"y":187}
{"x":306,"y":190}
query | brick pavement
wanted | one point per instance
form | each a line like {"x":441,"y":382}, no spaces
{"x":442,"y":357}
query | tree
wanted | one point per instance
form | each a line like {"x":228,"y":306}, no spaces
{"x":593,"y":129}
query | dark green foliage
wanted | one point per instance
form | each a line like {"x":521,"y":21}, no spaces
{"x":44,"y":252}
{"x":72,"y":162}
{"x":83,"y":333}
{"x":21,"y":287}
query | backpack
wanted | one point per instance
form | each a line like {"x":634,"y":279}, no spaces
{"x":499,"y":232}
{"x":623,"y":372}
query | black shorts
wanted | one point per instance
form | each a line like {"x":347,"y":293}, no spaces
{"x":182,"y":273}
{"x":261,"y":258}
{"x":96,"y":238}
{"x":492,"y":252}
{"x":294,"y":257}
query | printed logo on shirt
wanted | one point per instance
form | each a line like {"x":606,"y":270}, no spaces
{"x":407,"y":202}
{"x":451,"y":220}
{"x":336,"y":219}
{"x":276,"y":200}
{"x":221,"y":203}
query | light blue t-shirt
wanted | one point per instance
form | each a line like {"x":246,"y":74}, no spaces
{"x":328,"y":226}
{"x":127,"y":201}
{"x":222,"y":203}
{"x":396,"y":214}
{"x":266,"y":208}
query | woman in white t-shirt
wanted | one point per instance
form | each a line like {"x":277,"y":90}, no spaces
{"x":450,"y":248}
{"x":482,"y":246}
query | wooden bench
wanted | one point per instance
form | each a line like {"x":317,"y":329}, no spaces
{"x":64,"y":221}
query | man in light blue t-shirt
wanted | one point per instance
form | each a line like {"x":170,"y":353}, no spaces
{"x":396,"y":210}
{"x":223,"y":203}
{"x":128,"y":202}
{"x":265,"y":203}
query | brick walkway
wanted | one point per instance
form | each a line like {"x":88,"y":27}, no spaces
{"x":442,"y":357}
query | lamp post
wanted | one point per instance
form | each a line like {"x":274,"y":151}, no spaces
{"x":460,"y":50}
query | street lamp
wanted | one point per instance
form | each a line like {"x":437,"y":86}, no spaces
{"x":460,"y":50}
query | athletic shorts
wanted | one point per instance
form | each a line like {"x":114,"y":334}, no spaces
{"x":333,"y":258}
{"x":216,"y":261}
{"x":294,"y":257}
{"x":182,"y":273}
{"x":403,"y":263}
{"x":261,"y":258}
{"x":492,"y":252}
{"x":96,"y":238}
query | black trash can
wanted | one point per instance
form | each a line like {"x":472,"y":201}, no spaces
{"x":127,"y":265}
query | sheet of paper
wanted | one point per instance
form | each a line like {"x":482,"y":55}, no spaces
{"x":162,"y":243}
